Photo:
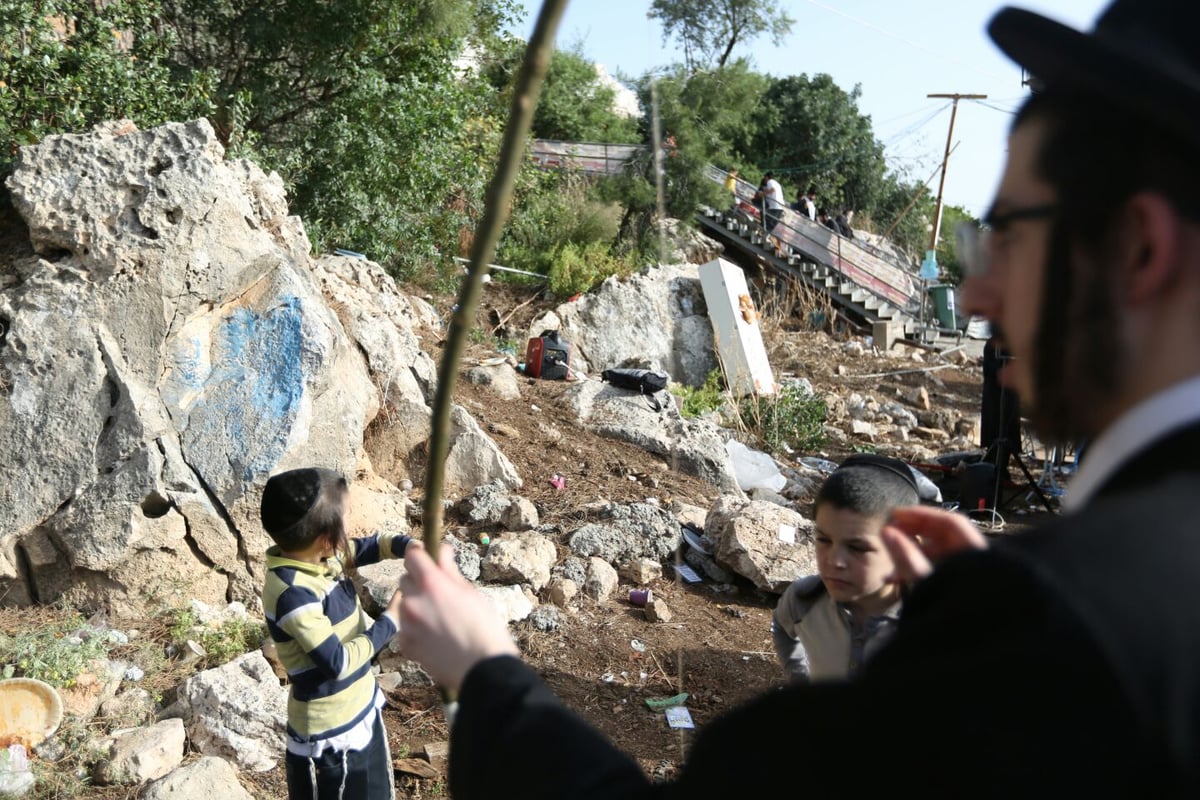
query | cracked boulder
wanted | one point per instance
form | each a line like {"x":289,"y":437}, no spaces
{"x":167,"y":349}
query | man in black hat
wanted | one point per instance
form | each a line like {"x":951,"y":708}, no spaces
{"x":1065,"y":662}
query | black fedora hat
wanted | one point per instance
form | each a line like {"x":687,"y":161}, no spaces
{"x":1142,"y":55}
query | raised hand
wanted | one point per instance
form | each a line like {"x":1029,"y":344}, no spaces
{"x":446,"y":624}
{"x":917,"y":537}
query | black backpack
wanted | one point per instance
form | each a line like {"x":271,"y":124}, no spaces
{"x":646,"y":381}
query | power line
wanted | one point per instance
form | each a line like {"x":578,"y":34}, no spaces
{"x":905,"y":115}
{"x":895,"y":138}
{"x":996,"y":108}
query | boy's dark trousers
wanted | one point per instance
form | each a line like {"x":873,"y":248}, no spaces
{"x":367,"y":773}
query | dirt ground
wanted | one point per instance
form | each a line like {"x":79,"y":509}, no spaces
{"x":606,"y":660}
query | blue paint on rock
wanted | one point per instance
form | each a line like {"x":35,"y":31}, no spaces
{"x":253,"y":394}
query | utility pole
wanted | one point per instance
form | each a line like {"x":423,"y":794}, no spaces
{"x":929,"y":267}
{"x":937,"y":216}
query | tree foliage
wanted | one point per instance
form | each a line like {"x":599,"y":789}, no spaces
{"x":703,"y":114}
{"x":903,"y":209}
{"x":67,"y":64}
{"x":809,"y":130}
{"x":575,"y":105}
{"x":949,"y":259}
{"x":387,"y":142}
{"x":384,"y":141}
{"x":709,"y":30}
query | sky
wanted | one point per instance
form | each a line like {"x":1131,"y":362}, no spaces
{"x":898,"y":51}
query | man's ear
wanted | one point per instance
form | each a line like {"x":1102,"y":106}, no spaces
{"x":1150,"y":247}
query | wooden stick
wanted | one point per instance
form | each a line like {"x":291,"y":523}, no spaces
{"x":515,"y":309}
{"x":495,"y":214}
{"x":902,"y":372}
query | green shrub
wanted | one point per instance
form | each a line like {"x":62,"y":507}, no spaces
{"x":222,"y":642}
{"x":57,"y":653}
{"x":577,"y":268}
{"x":552,"y":210}
{"x":793,"y":418}
{"x":708,"y":397}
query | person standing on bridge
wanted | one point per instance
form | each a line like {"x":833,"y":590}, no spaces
{"x":731,"y":183}
{"x":770,"y":195}
{"x":807,"y":205}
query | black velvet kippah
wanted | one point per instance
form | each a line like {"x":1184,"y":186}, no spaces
{"x":287,"y":497}
{"x":886,"y":463}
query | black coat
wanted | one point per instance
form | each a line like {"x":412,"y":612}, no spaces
{"x":1063,"y":662}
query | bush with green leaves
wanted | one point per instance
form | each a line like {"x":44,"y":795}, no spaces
{"x":709,"y":396}
{"x":793,"y":418}
{"x":222,"y":642}
{"x":67,"y":64}
{"x":57,"y":652}
{"x":577,"y":268}
{"x":552,"y":209}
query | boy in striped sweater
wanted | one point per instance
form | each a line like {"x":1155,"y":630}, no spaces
{"x":336,"y":743}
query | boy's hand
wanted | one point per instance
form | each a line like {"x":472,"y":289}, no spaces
{"x":446,"y":625}
{"x":917,"y":537}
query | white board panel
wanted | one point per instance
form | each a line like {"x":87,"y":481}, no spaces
{"x":736,"y":329}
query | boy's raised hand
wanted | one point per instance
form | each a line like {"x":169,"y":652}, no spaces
{"x":917,"y":537}
{"x":446,"y":624}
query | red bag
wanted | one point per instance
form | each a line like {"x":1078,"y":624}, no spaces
{"x":548,"y":356}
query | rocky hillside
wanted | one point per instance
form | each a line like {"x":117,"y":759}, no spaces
{"x":171,"y":341}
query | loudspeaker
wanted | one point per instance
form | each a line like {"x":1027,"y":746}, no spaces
{"x":977,"y":487}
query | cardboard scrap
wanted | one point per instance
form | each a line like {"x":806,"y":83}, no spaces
{"x":679,"y":717}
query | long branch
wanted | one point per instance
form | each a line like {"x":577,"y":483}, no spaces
{"x":495,"y":213}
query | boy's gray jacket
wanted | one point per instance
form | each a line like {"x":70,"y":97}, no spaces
{"x":817,"y":639}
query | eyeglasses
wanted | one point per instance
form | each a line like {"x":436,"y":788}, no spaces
{"x":974,"y":242}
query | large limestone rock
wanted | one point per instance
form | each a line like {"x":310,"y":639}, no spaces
{"x":205,"y":779}
{"x":238,"y":712}
{"x":626,"y":532}
{"x":510,"y":603}
{"x":473,"y":457}
{"x":692,"y":446}
{"x":658,"y":318}
{"x":167,"y":352}
{"x":519,"y":558}
{"x":171,"y":346}
{"x":141,"y":754}
{"x":753,"y":541}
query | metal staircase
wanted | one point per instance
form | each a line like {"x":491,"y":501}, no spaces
{"x":860,"y":280}
{"x":864,"y":283}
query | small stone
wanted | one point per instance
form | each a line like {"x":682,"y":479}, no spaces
{"x":545,"y":618}
{"x":657,"y":611}
{"x":563,"y":591}
{"x":438,"y":754}
{"x":641,"y":571}
{"x":390,"y":681}
{"x":504,"y":430}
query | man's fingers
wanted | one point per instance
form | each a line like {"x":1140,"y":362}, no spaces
{"x":941,"y":532}
{"x":911,"y":565}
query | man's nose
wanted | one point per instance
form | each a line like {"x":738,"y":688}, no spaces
{"x":978,"y":298}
